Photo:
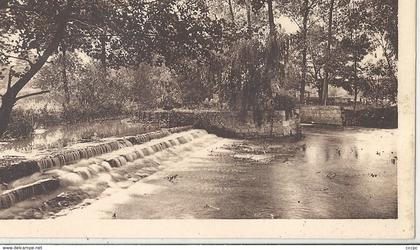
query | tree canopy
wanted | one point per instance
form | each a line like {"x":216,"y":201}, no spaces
{"x":236,"y":49}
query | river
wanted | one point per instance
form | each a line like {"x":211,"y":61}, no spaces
{"x":332,"y":173}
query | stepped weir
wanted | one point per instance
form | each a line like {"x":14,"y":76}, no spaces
{"x":62,"y":169}
{"x":72,"y":167}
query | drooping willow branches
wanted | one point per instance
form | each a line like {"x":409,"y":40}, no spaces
{"x":255,"y":75}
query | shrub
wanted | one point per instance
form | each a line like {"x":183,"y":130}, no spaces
{"x":286,"y":103}
{"x":21,"y":124}
{"x":373,"y":117}
{"x":170,"y":103}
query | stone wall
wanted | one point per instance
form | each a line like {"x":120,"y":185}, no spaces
{"x":227,"y":123}
{"x":330,"y":115}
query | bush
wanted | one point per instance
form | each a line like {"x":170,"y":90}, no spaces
{"x":373,"y":117}
{"x":76,"y":113}
{"x":170,"y":103}
{"x":286,"y":103}
{"x":21,"y":124}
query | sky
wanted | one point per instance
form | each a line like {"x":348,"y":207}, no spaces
{"x":288,"y":25}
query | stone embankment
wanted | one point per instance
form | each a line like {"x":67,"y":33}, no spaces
{"x":229,"y":123}
{"x":326,"y":115}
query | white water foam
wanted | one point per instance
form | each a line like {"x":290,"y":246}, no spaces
{"x":94,"y":175}
{"x":177,"y":159}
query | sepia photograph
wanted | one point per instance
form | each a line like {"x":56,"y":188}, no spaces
{"x":205,"y":110}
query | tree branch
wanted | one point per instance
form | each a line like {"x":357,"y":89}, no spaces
{"x":312,"y":4}
{"x":32,"y":94}
{"x":20,"y":58}
{"x":51,"y":47}
{"x":296,"y":22}
{"x":9,"y":80}
{"x":87,"y":24}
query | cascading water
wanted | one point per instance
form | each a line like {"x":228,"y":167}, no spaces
{"x":77,"y":173}
{"x":83,"y":153}
{"x":10,"y":197}
{"x":27,"y":168}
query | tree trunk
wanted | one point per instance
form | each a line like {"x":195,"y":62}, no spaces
{"x":319,"y":86}
{"x":327,"y":64}
{"x":304,"y":51}
{"x":320,"y":92}
{"x":8,"y":101}
{"x":65,"y":80}
{"x":355,"y":97}
{"x":317,"y":80}
{"x":355,"y":83}
{"x":103,"y":51}
{"x":10,"y":97}
{"x":248,"y":16}
{"x":271,"y":24}
{"x":232,"y":14}
{"x":286,"y":56}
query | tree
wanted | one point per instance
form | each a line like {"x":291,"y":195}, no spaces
{"x":354,"y":45}
{"x":317,"y":58}
{"x":232,"y":14}
{"x":39,"y":27}
{"x":324,"y":32}
{"x":381,"y":88}
{"x":300,"y":12}
{"x":328,"y":53}
{"x":35,"y":30}
{"x":118,"y":33}
{"x":60,"y":77}
{"x":270,"y":12}
{"x":383,"y":27}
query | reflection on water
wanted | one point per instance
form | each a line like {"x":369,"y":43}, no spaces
{"x":342,"y":174}
{"x":331,"y":173}
{"x":57,"y":137}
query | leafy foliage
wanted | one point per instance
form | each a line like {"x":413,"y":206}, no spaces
{"x":255,"y":71}
{"x":100,"y":57}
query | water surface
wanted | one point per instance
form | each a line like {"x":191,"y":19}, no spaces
{"x":57,"y":137}
{"x":332,"y":173}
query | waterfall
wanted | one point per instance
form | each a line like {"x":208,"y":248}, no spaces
{"x":146,"y":151}
{"x":173,"y":142}
{"x":26,"y":168}
{"x":72,"y":156}
{"x":113,"y":154}
{"x":77,"y":175}
{"x":10,"y":197}
{"x":182,"y":139}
